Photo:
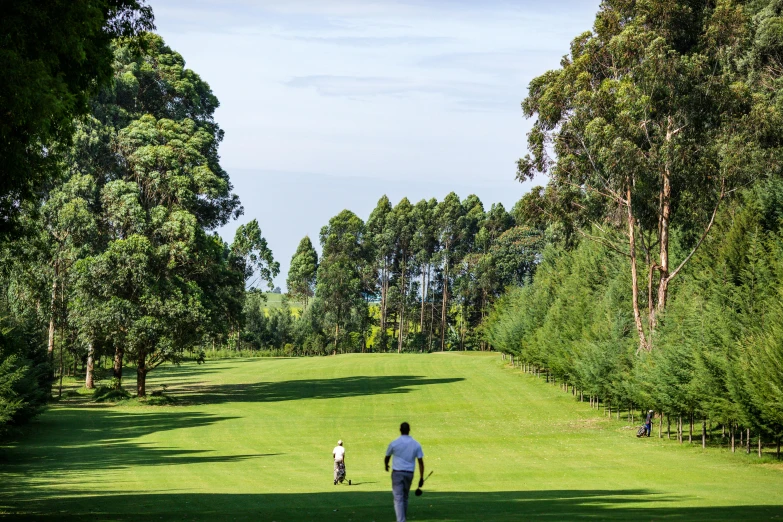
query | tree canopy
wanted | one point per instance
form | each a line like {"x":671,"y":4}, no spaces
{"x":55,"y":56}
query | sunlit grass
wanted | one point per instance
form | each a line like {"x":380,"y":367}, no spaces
{"x":251,"y":439}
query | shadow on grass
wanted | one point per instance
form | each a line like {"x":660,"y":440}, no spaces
{"x":82,"y":435}
{"x":346,"y":504}
{"x":191,"y":368}
{"x":80,"y":439}
{"x":301,"y":389}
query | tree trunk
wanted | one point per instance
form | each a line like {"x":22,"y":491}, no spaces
{"x":643,"y":345}
{"x":679,"y":429}
{"x":747,"y":440}
{"x":704,"y":433}
{"x":89,"y":380}
{"x":394,"y":327}
{"x":403,"y":295}
{"x":760,"y":445}
{"x":482,"y":345}
{"x":463,"y":328}
{"x":62,"y":367}
{"x":669,"y":427}
{"x":62,"y":339}
{"x":690,"y":429}
{"x":664,"y":221}
{"x":52,"y":313}
{"x":384,"y":300}
{"x":660,"y":426}
{"x":141,"y":375}
{"x":443,"y":309}
{"x":432,"y":324}
{"x":119,"y":352}
{"x":423,"y":296}
{"x":733,"y":449}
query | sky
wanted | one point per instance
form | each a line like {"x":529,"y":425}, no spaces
{"x":330,"y":104}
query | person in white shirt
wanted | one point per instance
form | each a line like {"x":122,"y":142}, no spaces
{"x":405,"y":451}
{"x":339,"y":462}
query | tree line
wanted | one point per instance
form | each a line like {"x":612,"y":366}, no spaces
{"x":55,"y":57}
{"x":413,"y":277}
{"x":646,"y":273}
{"x":111,"y":195}
{"x":109,"y":255}
{"x":661,"y":285}
{"x":716,"y":363}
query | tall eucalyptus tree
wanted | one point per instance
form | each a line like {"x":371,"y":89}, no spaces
{"x":301,"y":279}
{"x":644,"y":117}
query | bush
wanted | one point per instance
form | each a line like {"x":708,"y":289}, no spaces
{"x":109,"y":394}
{"x":25,"y":376}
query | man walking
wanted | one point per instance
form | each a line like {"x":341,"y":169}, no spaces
{"x":339,"y":462}
{"x":648,"y":423}
{"x":405,"y":451}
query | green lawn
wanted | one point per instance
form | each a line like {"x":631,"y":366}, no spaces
{"x":276,"y":301}
{"x":252,"y":440}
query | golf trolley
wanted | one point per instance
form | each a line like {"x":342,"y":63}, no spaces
{"x":341,"y":474}
{"x":641,"y":432}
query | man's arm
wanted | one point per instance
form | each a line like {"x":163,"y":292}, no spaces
{"x":421,"y":472}
{"x":386,"y":462}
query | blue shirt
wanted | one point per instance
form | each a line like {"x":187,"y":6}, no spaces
{"x":405,"y":451}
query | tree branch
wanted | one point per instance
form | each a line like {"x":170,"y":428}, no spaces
{"x":603,"y":242}
{"x":612,"y":194}
{"x":706,"y":230}
{"x":593,"y":189}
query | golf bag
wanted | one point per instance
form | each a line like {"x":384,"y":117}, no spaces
{"x":339,"y":472}
{"x":642,"y":431}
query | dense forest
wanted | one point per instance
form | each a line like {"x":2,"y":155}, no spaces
{"x":411,"y":278}
{"x":106,"y":247}
{"x":661,"y":135}
{"x":647,"y":273}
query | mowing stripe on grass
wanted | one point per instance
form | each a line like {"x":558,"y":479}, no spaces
{"x":252,"y":439}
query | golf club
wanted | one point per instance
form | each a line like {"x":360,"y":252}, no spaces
{"x":419,"y":492}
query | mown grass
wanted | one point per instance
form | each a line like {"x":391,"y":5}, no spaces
{"x":276,"y":301}
{"x":251,"y":440}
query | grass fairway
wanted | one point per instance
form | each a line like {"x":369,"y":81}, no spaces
{"x":276,"y":301}
{"x":252,"y":440}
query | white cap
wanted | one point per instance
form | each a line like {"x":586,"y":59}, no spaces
{"x":339,"y":442}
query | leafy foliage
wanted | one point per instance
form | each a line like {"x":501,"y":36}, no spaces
{"x":54,"y":56}
{"x":718,"y":351}
{"x":302,"y":274}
